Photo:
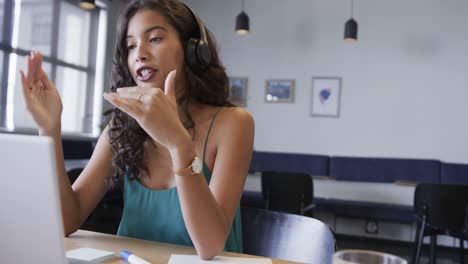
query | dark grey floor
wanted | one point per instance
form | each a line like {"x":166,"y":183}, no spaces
{"x":444,"y":255}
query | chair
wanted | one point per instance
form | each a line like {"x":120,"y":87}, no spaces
{"x":440,"y":210}
{"x":77,"y":149}
{"x":252,"y":199}
{"x":286,"y":236}
{"x":466,"y":221}
{"x":288,"y":192}
{"x":105,"y":218}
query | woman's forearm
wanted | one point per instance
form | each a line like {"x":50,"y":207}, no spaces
{"x":205,"y":220}
{"x":68,"y":201}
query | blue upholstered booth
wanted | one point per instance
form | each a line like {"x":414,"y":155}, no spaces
{"x":359,"y":169}
{"x":385,"y":169}
{"x":452,"y":173}
{"x":289,"y":162}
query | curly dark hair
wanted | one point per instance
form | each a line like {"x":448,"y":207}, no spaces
{"x":209,"y":86}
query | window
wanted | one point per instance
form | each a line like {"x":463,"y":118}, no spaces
{"x":72,"y":41}
{"x":26,"y":14}
{"x":2,"y":4}
{"x":42,"y":28}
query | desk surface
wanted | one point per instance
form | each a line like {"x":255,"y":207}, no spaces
{"x":154,"y":252}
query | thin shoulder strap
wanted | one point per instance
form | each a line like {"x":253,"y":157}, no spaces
{"x":209,"y":130}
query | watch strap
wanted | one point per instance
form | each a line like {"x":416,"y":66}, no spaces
{"x":187,"y":171}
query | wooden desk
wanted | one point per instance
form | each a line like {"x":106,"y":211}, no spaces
{"x":154,"y":252}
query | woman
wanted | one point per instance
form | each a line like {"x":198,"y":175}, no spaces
{"x":171,"y":119}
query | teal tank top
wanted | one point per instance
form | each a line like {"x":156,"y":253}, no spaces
{"x":156,"y":214}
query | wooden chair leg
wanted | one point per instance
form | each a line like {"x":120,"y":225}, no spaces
{"x":419,"y":240}
{"x":433,"y":248}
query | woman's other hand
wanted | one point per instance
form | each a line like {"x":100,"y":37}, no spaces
{"x":155,"y":110}
{"x":41,"y":97}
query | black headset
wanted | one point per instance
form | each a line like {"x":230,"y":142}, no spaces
{"x":198,"y":54}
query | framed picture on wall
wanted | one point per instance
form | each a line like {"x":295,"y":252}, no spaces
{"x":279,"y":91}
{"x":238,"y":91}
{"x":326,"y":96}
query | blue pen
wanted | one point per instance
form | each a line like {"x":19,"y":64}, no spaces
{"x":131,"y":258}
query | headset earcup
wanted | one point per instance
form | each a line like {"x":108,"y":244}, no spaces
{"x":198,"y":54}
{"x":191,"y":53}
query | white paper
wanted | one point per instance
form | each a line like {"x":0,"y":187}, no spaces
{"x":88,"y":255}
{"x":194,"y":259}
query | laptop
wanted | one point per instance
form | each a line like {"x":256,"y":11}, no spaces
{"x":31,"y":229}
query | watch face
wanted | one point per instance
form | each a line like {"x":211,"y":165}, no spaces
{"x":197,"y":165}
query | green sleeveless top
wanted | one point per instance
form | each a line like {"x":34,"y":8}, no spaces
{"x":156,"y":214}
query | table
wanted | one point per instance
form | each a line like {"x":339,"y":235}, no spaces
{"x":154,"y":252}
{"x":376,"y":192}
{"x":75,"y":163}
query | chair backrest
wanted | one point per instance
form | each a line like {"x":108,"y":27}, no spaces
{"x":287,"y":192}
{"x":286,"y":236}
{"x":466,"y":221}
{"x":443,"y":204}
{"x":73,"y":174}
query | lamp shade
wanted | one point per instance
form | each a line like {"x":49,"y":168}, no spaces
{"x":351,"y":30}
{"x":87,"y":4}
{"x":242,"y":23}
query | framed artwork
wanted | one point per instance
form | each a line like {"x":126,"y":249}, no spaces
{"x":238,"y":91}
{"x":326,"y":96}
{"x":279,"y":91}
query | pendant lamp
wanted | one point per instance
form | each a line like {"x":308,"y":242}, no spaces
{"x":242,"y":22}
{"x":351,"y":27}
{"x":87,"y":4}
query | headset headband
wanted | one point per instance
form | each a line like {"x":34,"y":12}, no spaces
{"x":201,"y":26}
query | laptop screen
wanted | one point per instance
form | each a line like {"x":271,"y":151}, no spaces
{"x":31,"y":226}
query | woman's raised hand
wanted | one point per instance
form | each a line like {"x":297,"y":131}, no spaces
{"x":40,"y":96}
{"x":155,"y":110}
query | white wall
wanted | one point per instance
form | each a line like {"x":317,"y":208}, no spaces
{"x":405,"y":82}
